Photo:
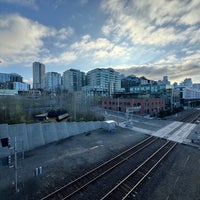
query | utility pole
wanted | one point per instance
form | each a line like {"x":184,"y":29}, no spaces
{"x":118,"y":111}
{"x":16,"y":167}
{"x":75,"y":101}
{"x":172,"y":94}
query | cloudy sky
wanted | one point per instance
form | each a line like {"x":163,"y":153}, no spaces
{"x":149,"y":38}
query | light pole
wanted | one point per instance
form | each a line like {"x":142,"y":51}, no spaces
{"x":118,"y":111}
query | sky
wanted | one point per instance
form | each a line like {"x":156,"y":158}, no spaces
{"x":150,"y":38}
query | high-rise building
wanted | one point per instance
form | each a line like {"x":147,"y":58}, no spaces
{"x":16,"y":78}
{"x":107,"y":80}
{"x":73,"y":80}
{"x":52,"y":81}
{"x":165,"y":80}
{"x":10,"y":78}
{"x":38,"y":75}
{"x":129,"y":81}
{"x":187,"y":82}
{"x":18,"y":86}
{"x":12,"y":82}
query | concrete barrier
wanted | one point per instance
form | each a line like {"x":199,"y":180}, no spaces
{"x":97,"y":125}
{"x":30,"y":136}
{"x":91,"y":126}
{"x":19,"y":131}
{"x":72,"y":128}
{"x":82,"y":127}
{"x":4,"y":130}
{"x":35,"y":135}
{"x":49,"y":132}
{"x":61,"y":129}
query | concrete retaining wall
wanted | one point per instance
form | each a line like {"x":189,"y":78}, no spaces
{"x":49,"y":132}
{"x":35,"y":135}
{"x":19,"y":131}
{"x":30,"y":136}
{"x":62,"y":131}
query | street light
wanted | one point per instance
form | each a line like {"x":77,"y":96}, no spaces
{"x":118,"y":111}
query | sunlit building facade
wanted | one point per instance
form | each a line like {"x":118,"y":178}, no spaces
{"x":38,"y":75}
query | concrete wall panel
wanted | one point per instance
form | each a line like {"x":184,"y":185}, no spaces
{"x":4,"y":130}
{"x":97,"y":125}
{"x":20,"y":132}
{"x":49,"y":132}
{"x":72,"y":128}
{"x":61,"y":130}
{"x":91,"y":126}
{"x":35,"y":135}
{"x":82,"y":127}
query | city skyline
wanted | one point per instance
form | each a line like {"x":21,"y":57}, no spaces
{"x":144,"y":38}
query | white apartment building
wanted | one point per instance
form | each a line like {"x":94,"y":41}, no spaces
{"x":190,"y":93}
{"x":107,"y":80}
{"x":20,"y":86}
{"x":38,"y":75}
{"x":187,"y":82}
{"x":52,"y":81}
{"x":196,"y":86}
{"x":73,"y":80}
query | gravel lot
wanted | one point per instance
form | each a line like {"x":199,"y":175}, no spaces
{"x":177,"y":178}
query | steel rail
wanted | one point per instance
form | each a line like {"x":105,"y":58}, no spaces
{"x":76,"y":185}
{"x":123,"y":189}
{"x":190,"y":117}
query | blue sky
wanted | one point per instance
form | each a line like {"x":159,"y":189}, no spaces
{"x":149,"y":38}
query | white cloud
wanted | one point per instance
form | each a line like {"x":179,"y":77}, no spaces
{"x":65,"y":33}
{"x":170,"y":60}
{"x":20,"y":37}
{"x":23,"y":40}
{"x":177,"y":72}
{"x":98,"y":49}
{"x":63,"y":58}
{"x":192,"y":58}
{"x":150,"y":22}
{"x":87,"y":44}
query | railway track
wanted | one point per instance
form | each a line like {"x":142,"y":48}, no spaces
{"x":127,"y":186}
{"x":191,"y":117}
{"x":83,"y":181}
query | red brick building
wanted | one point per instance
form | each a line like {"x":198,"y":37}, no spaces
{"x":150,"y":106}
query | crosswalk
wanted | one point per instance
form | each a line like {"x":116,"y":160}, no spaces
{"x":176,"y":131}
{"x":167,"y":130}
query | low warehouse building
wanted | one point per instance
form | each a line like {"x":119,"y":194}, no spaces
{"x":148,"y":106}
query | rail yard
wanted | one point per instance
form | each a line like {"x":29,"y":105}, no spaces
{"x":126,"y":164}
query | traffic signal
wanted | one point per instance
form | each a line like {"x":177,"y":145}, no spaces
{"x":4,"y":142}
